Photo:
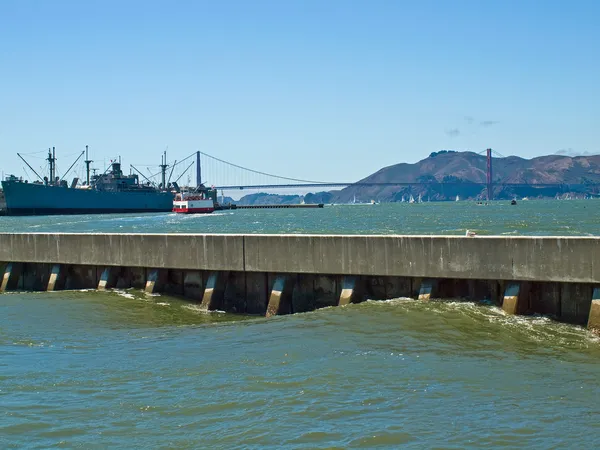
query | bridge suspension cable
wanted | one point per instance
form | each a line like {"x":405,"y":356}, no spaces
{"x":250,"y":171}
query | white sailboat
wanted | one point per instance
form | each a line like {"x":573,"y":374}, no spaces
{"x":411,"y":199}
{"x":419,"y":199}
{"x":457,"y":199}
{"x":354,"y":202}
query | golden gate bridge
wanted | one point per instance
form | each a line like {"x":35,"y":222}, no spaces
{"x":227,"y":176}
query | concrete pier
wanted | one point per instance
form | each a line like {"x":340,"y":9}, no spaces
{"x":279,"y":301}
{"x":214,"y":290}
{"x":426,"y":289}
{"x":510,"y":303}
{"x":349,"y":290}
{"x":281,"y":274}
{"x":10,"y":277}
{"x":57,"y":278}
{"x":594,"y":316}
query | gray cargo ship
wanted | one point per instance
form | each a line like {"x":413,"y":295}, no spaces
{"x":110,"y":192}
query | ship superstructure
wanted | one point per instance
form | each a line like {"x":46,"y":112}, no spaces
{"x":109,"y":192}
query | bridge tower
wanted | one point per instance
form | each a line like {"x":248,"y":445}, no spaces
{"x":198,"y":170}
{"x":490,"y":193}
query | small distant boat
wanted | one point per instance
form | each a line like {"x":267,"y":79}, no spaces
{"x":513,"y":202}
{"x":419,"y":200}
{"x":411,"y":199}
{"x":457,"y":199}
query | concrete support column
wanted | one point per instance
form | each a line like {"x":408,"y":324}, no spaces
{"x":257,"y":293}
{"x":108,"y":279}
{"x":81,"y":277}
{"x":575,"y":302}
{"x":193,"y":285}
{"x":279,"y":300}
{"x":214,"y":290}
{"x":426,"y":289}
{"x":136,"y":277}
{"x":57,"y":279}
{"x":155,"y":280}
{"x":10,"y":279}
{"x":348,"y":290}
{"x":594,"y":317}
{"x":510,"y":303}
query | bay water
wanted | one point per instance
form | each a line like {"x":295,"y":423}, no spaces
{"x":123,"y":369}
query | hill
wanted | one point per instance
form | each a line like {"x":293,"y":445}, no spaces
{"x":456,"y":167}
{"x":471,"y":167}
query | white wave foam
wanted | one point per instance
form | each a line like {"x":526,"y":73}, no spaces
{"x":199,"y":309}
{"x":124,"y":294}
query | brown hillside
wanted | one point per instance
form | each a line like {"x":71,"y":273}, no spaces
{"x":471,"y":167}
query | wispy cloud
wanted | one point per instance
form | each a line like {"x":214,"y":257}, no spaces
{"x":469,"y":120}
{"x":488,"y":123}
{"x":453,"y":132}
{"x":572,"y":152}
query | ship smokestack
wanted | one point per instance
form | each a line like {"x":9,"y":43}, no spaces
{"x":87,"y":166}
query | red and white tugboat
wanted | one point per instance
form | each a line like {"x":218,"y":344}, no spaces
{"x":201,"y":200}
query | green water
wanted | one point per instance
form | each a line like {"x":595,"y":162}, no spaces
{"x":576,"y":217}
{"x":124,"y":369}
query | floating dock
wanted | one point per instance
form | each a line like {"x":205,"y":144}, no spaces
{"x":279,"y":274}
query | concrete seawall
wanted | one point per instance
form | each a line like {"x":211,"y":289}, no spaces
{"x":277,"y":274}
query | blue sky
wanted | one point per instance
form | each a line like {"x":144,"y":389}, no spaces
{"x":325,"y":90}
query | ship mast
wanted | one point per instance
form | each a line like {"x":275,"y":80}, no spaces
{"x":52,"y":164}
{"x":87,"y":166}
{"x":163,"y":170}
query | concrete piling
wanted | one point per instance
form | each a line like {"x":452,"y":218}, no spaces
{"x":280,"y":299}
{"x":155,"y":280}
{"x":425,"y":291}
{"x":214,"y":291}
{"x":57,"y":277}
{"x":108,"y":279}
{"x":348,"y":292}
{"x":594,"y":316}
{"x":10,"y":278}
{"x":510,"y":303}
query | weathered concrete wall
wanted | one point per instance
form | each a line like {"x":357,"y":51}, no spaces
{"x":174,"y":251}
{"x":543,"y":259}
{"x":563,"y":259}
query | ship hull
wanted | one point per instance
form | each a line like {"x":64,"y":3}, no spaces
{"x":38,"y":199}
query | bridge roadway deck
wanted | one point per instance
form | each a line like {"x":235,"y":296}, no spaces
{"x":463,"y":184}
{"x":558,"y":268}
